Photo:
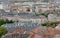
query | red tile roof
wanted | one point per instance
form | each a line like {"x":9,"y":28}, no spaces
{"x":18,"y":31}
{"x":48,"y":32}
{"x":35,"y":36}
{"x":35,"y":33}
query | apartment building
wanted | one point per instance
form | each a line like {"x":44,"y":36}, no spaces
{"x":40,"y":7}
{"x":31,"y":7}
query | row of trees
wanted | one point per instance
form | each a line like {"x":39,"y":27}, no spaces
{"x":46,"y":15}
{"x":5,"y":21}
{"x":3,"y":30}
{"x":51,"y":24}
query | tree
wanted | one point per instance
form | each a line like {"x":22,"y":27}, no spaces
{"x":9,"y":21}
{"x":2,"y":22}
{"x":3,"y":31}
{"x":46,"y":15}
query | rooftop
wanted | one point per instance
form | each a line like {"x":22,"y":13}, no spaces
{"x":40,"y":32}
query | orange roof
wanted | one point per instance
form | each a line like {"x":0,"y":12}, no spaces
{"x":18,"y":30}
{"x":34,"y":33}
{"x":48,"y":32}
{"x":35,"y":36}
{"x":34,"y":30}
{"x":57,"y":31}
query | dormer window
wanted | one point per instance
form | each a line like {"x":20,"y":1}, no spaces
{"x":28,"y":9}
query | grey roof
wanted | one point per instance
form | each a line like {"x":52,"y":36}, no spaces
{"x":28,"y":25}
{"x":56,"y":10}
{"x":28,"y":15}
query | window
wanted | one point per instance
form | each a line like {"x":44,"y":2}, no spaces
{"x":40,"y":11}
{"x":33,"y":10}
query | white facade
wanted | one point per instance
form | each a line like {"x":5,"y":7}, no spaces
{"x":39,"y":20}
{"x":53,"y":17}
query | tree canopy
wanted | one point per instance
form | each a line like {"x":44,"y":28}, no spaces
{"x":3,"y":31}
{"x":5,"y":21}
